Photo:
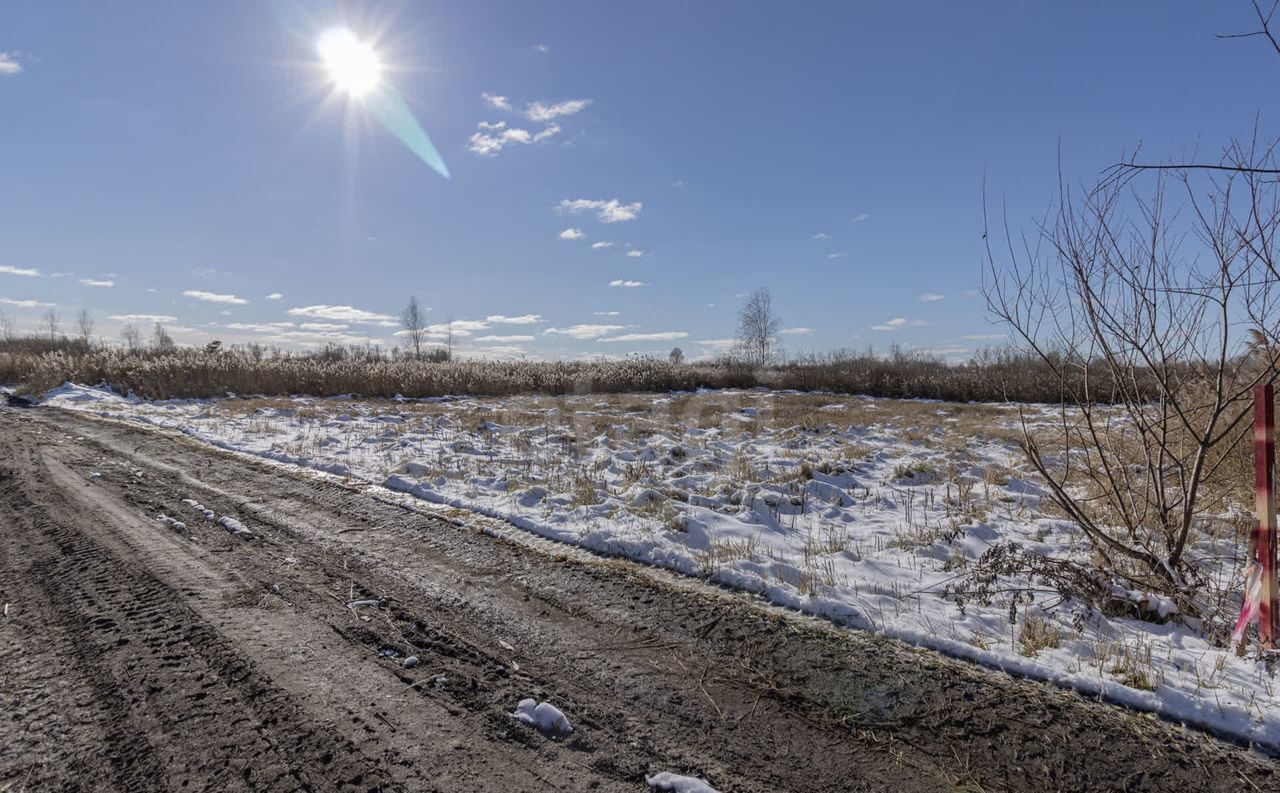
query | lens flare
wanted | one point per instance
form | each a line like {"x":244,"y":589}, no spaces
{"x":352,"y":64}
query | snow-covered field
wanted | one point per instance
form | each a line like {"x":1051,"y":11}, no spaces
{"x":856,"y":509}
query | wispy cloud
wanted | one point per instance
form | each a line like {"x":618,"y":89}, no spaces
{"x":606,"y":313}
{"x":822,"y":235}
{"x":985,"y":337}
{"x":897,"y":323}
{"x":543,"y":48}
{"x":585,"y":331}
{"x":143,"y":318}
{"x":539,"y":111}
{"x":572,"y":234}
{"x":799,"y":331}
{"x":626,"y":284}
{"x":931,"y":297}
{"x":25,"y":303}
{"x":505,"y":338}
{"x":324,"y":326}
{"x":523,"y":319}
{"x":858,"y":218}
{"x":104,"y":283}
{"x":29,"y":272}
{"x":637,"y":254}
{"x":458,"y":327}
{"x":9,"y":65}
{"x":274,"y":296}
{"x":213,"y":297}
{"x":496,"y":102}
{"x":667,"y":335}
{"x":599,"y":246}
{"x":835,"y":255}
{"x":495,"y":137}
{"x":341,"y":314}
{"x":610,"y":211}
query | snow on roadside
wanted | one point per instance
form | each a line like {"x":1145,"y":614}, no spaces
{"x":676,"y":783}
{"x":863,"y":523}
{"x":547,"y":718}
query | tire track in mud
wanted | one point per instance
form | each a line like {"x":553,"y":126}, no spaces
{"x":171,"y":693}
{"x":250,"y":645}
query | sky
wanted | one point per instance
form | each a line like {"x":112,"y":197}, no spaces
{"x":620,"y":175}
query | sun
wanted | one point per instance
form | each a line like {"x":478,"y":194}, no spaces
{"x":352,"y":64}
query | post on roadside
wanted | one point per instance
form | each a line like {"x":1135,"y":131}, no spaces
{"x":1264,"y":535}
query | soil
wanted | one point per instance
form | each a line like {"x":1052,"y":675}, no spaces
{"x":138,"y":656}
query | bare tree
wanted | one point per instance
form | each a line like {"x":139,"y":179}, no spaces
{"x":448,"y":339}
{"x":1157,"y":325}
{"x":84,"y":323}
{"x":53,"y":322}
{"x":132,"y":338}
{"x":758,"y":325}
{"x":676,"y":356}
{"x":415,"y":326}
{"x":161,"y":339}
{"x":6,"y":326}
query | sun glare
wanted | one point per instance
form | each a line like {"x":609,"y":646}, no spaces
{"x":352,"y":64}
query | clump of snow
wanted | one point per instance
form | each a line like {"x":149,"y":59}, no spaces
{"x":234,"y":526}
{"x":678,"y":784}
{"x":543,"y":715}
{"x":172,"y":523}
{"x":226,"y":521}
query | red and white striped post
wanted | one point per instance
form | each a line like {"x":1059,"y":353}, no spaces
{"x":1264,"y":534}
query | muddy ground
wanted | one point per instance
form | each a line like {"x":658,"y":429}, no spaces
{"x":136,"y":656}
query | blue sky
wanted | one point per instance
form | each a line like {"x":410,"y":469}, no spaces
{"x":196,"y":158}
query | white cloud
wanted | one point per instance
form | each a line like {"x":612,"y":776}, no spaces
{"x":143,"y":318}
{"x":861,"y":216}
{"x":496,"y":102}
{"x":572,"y":234}
{"x":505,"y":338}
{"x":543,"y":48}
{"x":496,"y":137}
{"x":342,"y":314}
{"x":800,"y":331}
{"x":718,"y":345}
{"x":30,"y":273}
{"x":255,"y":327}
{"x":984,"y":337}
{"x":25,"y":303}
{"x":323,"y":326}
{"x":211,"y":297}
{"x":539,"y":111}
{"x":105,"y":284}
{"x":669,"y":335}
{"x":636,"y":254}
{"x":585,"y":331}
{"x":898,"y":323}
{"x":599,"y":246}
{"x":9,"y":65}
{"x":822,"y":235}
{"x":606,"y":313}
{"x":931,"y":297}
{"x":492,"y":125}
{"x":625,"y":284}
{"x":274,"y":296}
{"x":835,"y":255}
{"x":611,"y":211}
{"x":458,"y":327}
{"x":524,"y":319}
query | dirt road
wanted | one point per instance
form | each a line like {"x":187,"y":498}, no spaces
{"x":135,"y":655}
